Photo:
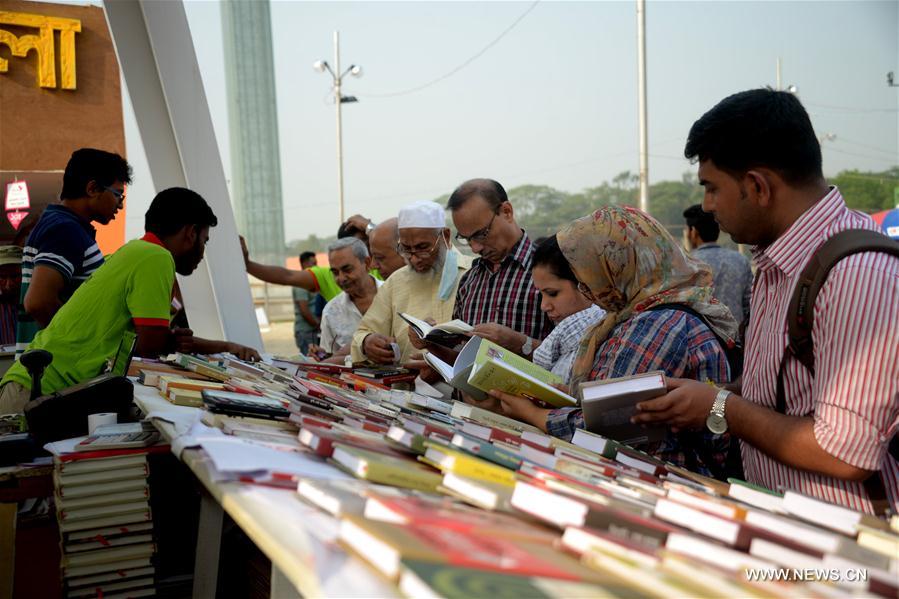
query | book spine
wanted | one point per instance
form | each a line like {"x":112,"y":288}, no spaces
{"x":411,"y":478}
{"x":472,"y":468}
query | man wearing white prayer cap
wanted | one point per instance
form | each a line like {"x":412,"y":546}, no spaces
{"x":425,"y":288}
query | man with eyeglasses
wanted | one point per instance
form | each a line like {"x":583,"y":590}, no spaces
{"x":497,"y":296}
{"x":425,"y":288}
{"x":61,"y":252}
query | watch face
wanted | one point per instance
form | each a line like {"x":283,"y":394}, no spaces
{"x":717,"y":424}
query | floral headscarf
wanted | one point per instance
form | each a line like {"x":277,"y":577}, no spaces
{"x":631,"y":263}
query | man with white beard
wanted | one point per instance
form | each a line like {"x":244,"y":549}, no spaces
{"x":424,"y":288}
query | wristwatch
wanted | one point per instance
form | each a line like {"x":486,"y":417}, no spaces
{"x":527,"y":347}
{"x":716,"y":422}
{"x":369,"y":227}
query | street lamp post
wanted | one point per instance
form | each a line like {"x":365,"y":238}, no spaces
{"x":356,"y":71}
{"x":641,"y":105}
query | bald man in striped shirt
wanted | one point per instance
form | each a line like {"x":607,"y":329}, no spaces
{"x":760,"y":165}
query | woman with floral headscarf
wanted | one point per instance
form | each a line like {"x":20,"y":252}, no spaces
{"x":632,"y":268}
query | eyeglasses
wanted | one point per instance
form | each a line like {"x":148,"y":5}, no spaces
{"x":406,"y":252}
{"x":119,"y":195}
{"x":477,"y":236}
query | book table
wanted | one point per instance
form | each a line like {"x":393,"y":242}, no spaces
{"x":295,"y":536}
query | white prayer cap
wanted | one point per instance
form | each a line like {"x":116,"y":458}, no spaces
{"x":423,"y":214}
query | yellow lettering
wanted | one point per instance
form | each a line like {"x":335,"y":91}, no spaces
{"x":43,"y":45}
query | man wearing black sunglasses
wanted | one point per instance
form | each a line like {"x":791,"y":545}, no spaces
{"x":61,"y":251}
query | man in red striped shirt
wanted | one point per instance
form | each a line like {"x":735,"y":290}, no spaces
{"x":760,"y":165}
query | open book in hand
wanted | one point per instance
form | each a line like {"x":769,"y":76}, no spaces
{"x":483,"y":365}
{"x":609,"y":405}
{"x":448,"y":334}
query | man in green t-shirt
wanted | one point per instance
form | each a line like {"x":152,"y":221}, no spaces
{"x":129,"y":296}
{"x":320,"y":279}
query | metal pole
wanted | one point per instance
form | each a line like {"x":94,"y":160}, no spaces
{"x":641,"y":92}
{"x":337,"y":97}
{"x":779,"y":82}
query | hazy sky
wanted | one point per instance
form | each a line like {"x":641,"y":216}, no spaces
{"x":553,"y":102}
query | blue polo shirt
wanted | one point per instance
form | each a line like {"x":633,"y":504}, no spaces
{"x":65,"y":242}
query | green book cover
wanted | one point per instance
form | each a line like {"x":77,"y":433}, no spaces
{"x":422,"y":578}
{"x":749,"y":485}
{"x":498,"y":368}
{"x":386,"y":470}
{"x":488,"y":350}
{"x":488,"y":418}
{"x":487,"y":451}
{"x":439,"y":580}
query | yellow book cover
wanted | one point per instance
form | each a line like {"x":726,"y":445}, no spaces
{"x":384,"y":469}
{"x":185,"y":397}
{"x":457,"y":462}
{"x":167,"y":383}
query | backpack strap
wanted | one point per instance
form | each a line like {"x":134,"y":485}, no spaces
{"x":801,"y":316}
{"x":801,"y":312}
{"x":733,"y":351}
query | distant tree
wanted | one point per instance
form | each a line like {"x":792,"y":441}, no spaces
{"x":313,"y":243}
{"x":868,"y":191}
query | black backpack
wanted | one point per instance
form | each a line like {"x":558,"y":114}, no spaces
{"x":692,"y":440}
{"x":800,"y":320}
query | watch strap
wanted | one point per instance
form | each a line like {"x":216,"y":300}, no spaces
{"x":720,"y":402}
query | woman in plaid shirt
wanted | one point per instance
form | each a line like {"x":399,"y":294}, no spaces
{"x":628,"y":264}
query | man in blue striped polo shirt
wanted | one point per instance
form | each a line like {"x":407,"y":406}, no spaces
{"x":61,"y":251}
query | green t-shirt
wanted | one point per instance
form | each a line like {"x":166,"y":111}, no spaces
{"x":133,"y":287}
{"x":327,"y":284}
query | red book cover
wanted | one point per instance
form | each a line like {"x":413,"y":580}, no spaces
{"x":399,"y":378}
{"x":323,"y":392}
{"x":239,"y":389}
{"x":321,"y":441}
{"x":324,"y":367}
{"x":443,"y":513}
{"x":330,"y":380}
{"x":299,"y":411}
{"x":423,"y":427}
{"x":498,"y":434}
{"x":360,"y":383}
{"x":109,"y":453}
{"x":366,"y":425}
{"x":494,"y":553}
{"x":541,"y":474}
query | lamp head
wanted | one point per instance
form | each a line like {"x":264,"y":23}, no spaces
{"x":355,"y":70}
{"x":320,"y":65}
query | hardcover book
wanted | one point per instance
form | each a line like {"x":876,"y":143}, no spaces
{"x":610,"y":404}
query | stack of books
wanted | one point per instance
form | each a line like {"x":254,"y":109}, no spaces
{"x":105,"y":523}
{"x":625,"y":521}
{"x":451,"y":500}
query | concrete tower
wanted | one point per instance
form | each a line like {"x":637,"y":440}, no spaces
{"x":253,"y":124}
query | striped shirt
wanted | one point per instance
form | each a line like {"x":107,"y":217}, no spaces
{"x":677,"y":343}
{"x":854,"y":396}
{"x":65,"y":242}
{"x":8,"y":323}
{"x":507,"y":296}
